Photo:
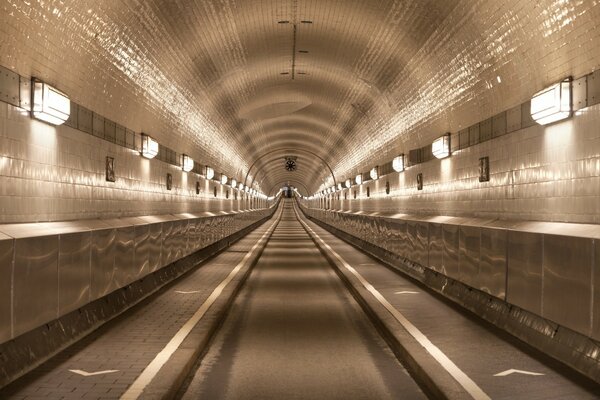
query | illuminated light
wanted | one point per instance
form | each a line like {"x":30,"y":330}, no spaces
{"x":210,"y":173}
{"x":187,"y":164}
{"x":241,"y":187}
{"x":552,"y":104}
{"x":374,"y":173}
{"x":339,"y":186}
{"x":441,"y":146}
{"x":149,"y":147}
{"x":224,"y":179}
{"x":398,"y":163}
{"x":233,"y":183}
{"x":348,"y":183}
{"x":49,"y":104}
{"x":245,"y":188}
{"x":358,"y":179}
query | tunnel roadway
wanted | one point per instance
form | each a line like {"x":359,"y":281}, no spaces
{"x":293,"y":331}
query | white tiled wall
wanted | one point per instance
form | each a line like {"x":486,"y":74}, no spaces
{"x":541,"y":173}
{"x":51,"y":174}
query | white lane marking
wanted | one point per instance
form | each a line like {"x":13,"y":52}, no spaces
{"x":182,"y":292}
{"x":467,"y":383}
{"x":366,"y":264}
{"x":138,"y":386}
{"x":406,"y":292}
{"x":84,"y":373}
{"x":517,"y":371}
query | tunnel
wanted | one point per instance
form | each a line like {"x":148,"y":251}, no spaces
{"x":299,"y":199}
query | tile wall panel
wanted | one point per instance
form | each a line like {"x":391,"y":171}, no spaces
{"x":6,"y":271}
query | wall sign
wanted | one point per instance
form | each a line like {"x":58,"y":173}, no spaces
{"x":419,"y":181}
{"x":169,"y":181}
{"x":215,"y":190}
{"x":227,"y":194}
{"x":387,"y":187}
{"x":355,"y":194}
{"x":484,"y":169}
{"x":197,"y":187}
{"x":368,"y":191}
{"x":110,"y":169}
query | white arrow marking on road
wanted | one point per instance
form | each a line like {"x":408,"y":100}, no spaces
{"x":83,"y":373}
{"x":516,"y":371}
{"x":406,"y":292}
{"x":182,"y":292}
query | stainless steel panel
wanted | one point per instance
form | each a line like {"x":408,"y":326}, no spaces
{"x":580,"y":93}
{"x":125,"y":268}
{"x":492,"y":264}
{"x":9,"y":86}
{"x":35,"y":288}
{"x":155,"y":247}
{"x":596,"y":292}
{"x":451,"y":245}
{"x":567,"y":290}
{"x":142,"y":250}
{"x":469,"y":254}
{"x":524,"y":274}
{"x":422,"y":243}
{"x":6,"y":271}
{"x":74,"y":271}
{"x":103,"y":262}
{"x":167,"y":244}
{"x":436,"y":247}
{"x":411,"y":240}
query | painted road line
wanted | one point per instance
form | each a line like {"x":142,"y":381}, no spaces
{"x":517,"y":371}
{"x":406,"y":292}
{"x":84,"y":373}
{"x":463,"y":379}
{"x":138,"y":386}
{"x":183,"y":292}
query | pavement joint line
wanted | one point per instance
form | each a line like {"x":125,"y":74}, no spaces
{"x":152,"y":369}
{"x":463,"y":379}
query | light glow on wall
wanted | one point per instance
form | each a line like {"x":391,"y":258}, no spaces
{"x":149,"y":147}
{"x":233,"y":183}
{"x":187,"y":164}
{"x":552,"y":104}
{"x":398,"y":163}
{"x":348,"y":183}
{"x":49,"y":104}
{"x":210,"y":173}
{"x":358,"y":179}
{"x":241,"y":187}
{"x":441,"y":146}
{"x":224,"y":179}
{"x":374,"y":173}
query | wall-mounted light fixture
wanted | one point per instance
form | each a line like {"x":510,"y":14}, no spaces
{"x":241,"y":187}
{"x":348,"y":183}
{"x":441,"y":146}
{"x":398,"y":163}
{"x":149,"y":147}
{"x":339,"y":186}
{"x":210,"y":173}
{"x":552,"y":104}
{"x":49,"y":104}
{"x":374,"y":173}
{"x":233,"y":183}
{"x":358,"y":179}
{"x":224,"y":179}
{"x":187,"y":164}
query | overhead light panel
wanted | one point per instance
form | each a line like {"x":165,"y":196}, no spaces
{"x":552,"y":104}
{"x":224,"y":179}
{"x":441,"y":146}
{"x":210,"y":173}
{"x":358,"y":179}
{"x":398,"y":163}
{"x":374,"y":173}
{"x":149,"y":147}
{"x":187,"y":164}
{"x":49,"y":104}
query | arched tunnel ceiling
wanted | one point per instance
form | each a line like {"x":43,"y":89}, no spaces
{"x":352,"y":81}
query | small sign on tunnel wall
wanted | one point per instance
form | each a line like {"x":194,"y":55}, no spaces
{"x":169,"y":181}
{"x":484,"y":169}
{"x":197,"y":187}
{"x":419,"y":181}
{"x":110,"y":169}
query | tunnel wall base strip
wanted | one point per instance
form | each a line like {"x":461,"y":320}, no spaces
{"x":563,"y":344}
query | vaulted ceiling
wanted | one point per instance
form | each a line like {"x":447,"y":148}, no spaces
{"x":241,"y":84}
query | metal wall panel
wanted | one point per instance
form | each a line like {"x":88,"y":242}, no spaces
{"x":167,"y":243}
{"x":469,"y":254}
{"x":596,"y":292}
{"x":142,"y":250}
{"x":35,"y":288}
{"x":492,"y":263}
{"x":436,"y":247}
{"x":524,"y":270}
{"x":6,"y":268}
{"x":74,"y":271}
{"x":103,"y":262}
{"x":451,"y":249}
{"x":125,"y":267}
{"x":411,"y":240}
{"x":155,"y":242}
{"x":567,"y":290}
{"x":422,"y":244}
